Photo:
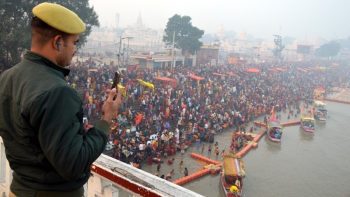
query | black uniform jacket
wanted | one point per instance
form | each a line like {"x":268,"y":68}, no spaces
{"x":41,"y":126}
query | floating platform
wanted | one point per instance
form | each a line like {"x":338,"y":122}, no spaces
{"x":239,"y":154}
{"x":251,"y":145}
{"x":291,"y":123}
{"x":200,"y":173}
{"x":205,"y":159}
{"x":191,"y":177}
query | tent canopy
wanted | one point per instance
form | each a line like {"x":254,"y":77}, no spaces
{"x":195,"y":77}
{"x":167,"y":80}
{"x":146,"y":84}
{"x":253,"y":70}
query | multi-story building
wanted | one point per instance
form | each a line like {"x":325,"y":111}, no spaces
{"x":207,"y":55}
{"x":122,"y":41}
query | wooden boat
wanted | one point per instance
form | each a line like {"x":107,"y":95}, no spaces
{"x":232,"y":176}
{"x":274,"y":131}
{"x":274,"y":128}
{"x":307,"y":123}
{"x":320,"y":111}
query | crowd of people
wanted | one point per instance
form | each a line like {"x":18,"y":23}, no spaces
{"x":154,"y":123}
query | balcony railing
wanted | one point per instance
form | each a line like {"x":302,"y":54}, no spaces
{"x":110,"y":178}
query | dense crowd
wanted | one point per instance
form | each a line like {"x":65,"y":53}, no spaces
{"x":155,"y":123}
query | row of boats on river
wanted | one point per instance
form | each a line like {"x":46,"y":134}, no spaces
{"x":307,"y":121}
{"x":233,"y":169}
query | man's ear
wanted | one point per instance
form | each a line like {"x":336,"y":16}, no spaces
{"x":58,"y":45}
{"x":57,"y":42}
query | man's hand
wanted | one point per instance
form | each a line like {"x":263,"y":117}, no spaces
{"x":110,"y":106}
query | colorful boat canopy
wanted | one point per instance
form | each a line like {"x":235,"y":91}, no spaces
{"x":232,"y":166}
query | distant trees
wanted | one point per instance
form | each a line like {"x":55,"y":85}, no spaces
{"x":15,"y":35}
{"x":186,"y":36}
{"x":329,"y":49}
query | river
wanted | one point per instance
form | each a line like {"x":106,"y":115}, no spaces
{"x":302,"y":165}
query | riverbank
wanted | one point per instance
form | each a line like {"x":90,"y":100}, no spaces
{"x":342,"y":94}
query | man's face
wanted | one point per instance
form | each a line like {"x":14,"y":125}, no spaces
{"x":67,"y":50}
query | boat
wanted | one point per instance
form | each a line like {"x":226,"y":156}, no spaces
{"x":232,"y":176}
{"x":320,"y":111}
{"x":274,"y":131}
{"x":307,"y":123}
{"x":274,"y":128}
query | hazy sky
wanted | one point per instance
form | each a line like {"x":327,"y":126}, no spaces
{"x":261,"y":18}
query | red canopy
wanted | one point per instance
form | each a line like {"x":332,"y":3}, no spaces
{"x":195,"y":77}
{"x":167,"y":80}
{"x":253,"y":70}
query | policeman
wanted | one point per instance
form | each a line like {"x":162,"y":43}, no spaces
{"x":41,"y":117}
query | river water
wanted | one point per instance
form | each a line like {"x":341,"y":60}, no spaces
{"x":302,"y":165}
